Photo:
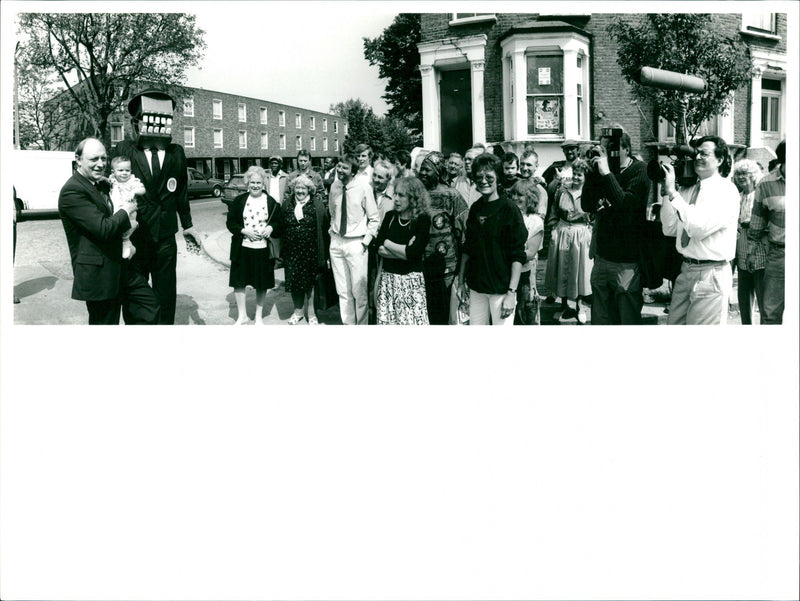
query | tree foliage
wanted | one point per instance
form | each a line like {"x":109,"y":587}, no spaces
{"x":385,"y":135}
{"x":103,"y":59}
{"x":684,"y":43}
{"x":396,"y":55}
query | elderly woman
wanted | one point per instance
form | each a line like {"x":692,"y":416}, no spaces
{"x":253,"y":218}
{"x":569,"y":267}
{"x":494,"y":249}
{"x":448,"y":218}
{"x":305,"y":223}
{"x":401,"y":241}
{"x":746,"y":175}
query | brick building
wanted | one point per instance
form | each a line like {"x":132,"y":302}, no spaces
{"x":224,"y":134}
{"x":517,"y":79}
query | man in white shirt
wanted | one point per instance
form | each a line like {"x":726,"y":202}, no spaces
{"x":703,"y":218}
{"x":354,"y":223}
{"x":364,"y":156}
{"x":383,"y":187}
{"x":276,"y":178}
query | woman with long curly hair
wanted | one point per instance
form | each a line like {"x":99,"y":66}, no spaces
{"x":401,"y":241}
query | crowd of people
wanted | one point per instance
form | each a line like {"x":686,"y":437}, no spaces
{"x":419,"y":238}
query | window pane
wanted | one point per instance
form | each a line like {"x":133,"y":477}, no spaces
{"x":771,"y":84}
{"x":764,"y":113}
{"x":774,"y":114}
{"x":545,"y":74}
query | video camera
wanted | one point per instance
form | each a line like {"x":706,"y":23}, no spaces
{"x":614,"y":135}
{"x":683,"y":165}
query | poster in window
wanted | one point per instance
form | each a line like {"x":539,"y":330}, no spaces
{"x":547,"y":115}
{"x":544,"y":76}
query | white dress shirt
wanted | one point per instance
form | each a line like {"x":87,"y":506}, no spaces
{"x":161,"y":154}
{"x":711,"y":222}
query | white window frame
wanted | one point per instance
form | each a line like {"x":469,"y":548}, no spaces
{"x":298,"y":142}
{"x":121,"y":127}
{"x":753,"y":24}
{"x":336,"y":145}
{"x":517,"y":49}
{"x":312,"y":122}
{"x":242,"y":138}
{"x":264,"y":140}
{"x":770,"y":94}
{"x":264,"y":115}
{"x":188,"y":143}
{"x":298,"y":121}
{"x":312,"y":144}
{"x":242,"y":109}
{"x":336,"y":127}
{"x":221,"y":143}
{"x":188,"y":106}
{"x":214,"y":104}
{"x":282,"y":142}
{"x":324,"y":144}
{"x":324,"y":125}
{"x":345,"y":128}
{"x":281,"y":118}
{"x":475,"y":18}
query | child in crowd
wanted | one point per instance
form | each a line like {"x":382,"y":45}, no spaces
{"x":124,"y":186}
{"x":525,"y":195}
{"x":510,"y":170}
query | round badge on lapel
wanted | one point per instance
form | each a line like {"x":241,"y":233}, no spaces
{"x":172,"y":184}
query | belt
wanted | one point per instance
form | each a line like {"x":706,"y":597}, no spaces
{"x":703,"y":261}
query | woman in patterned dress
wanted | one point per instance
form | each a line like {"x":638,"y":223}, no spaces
{"x":304,"y":222}
{"x":253,"y":218}
{"x":448,"y":218}
{"x":569,"y":266}
{"x":401,"y":242}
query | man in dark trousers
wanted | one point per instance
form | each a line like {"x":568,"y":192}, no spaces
{"x":102,"y":277}
{"x":161,"y":166}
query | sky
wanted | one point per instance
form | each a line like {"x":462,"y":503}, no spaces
{"x":306,"y":54}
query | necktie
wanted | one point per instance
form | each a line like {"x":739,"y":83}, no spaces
{"x":343,"y":221}
{"x":155,"y":165}
{"x":684,"y":235}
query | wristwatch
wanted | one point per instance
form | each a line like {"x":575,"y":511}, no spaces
{"x":512,"y":291}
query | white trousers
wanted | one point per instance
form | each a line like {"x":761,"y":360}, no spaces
{"x":481,"y":306}
{"x":349,"y":264}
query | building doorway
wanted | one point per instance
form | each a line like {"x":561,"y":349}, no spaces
{"x":455,"y":92}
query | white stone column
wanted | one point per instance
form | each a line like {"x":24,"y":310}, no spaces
{"x":478,"y":109}
{"x":725,"y":122}
{"x":431,"y":121}
{"x":755,"y":108}
{"x":571,"y":82}
{"x":520,"y":131}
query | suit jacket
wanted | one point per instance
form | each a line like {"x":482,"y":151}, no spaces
{"x":165,"y":197}
{"x":94,"y":237}
{"x":235,"y":221}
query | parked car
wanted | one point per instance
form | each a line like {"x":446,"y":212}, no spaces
{"x":233,"y":187}
{"x":203,"y":185}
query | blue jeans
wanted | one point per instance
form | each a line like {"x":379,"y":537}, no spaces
{"x":772,"y":311}
{"x":616,"y":293}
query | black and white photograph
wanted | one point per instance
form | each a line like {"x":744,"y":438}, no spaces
{"x":271,"y":163}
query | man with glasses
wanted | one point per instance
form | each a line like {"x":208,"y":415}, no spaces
{"x":619,"y":203}
{"x":704,"y":219}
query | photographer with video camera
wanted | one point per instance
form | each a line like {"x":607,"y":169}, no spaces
{"x":616,"y":192}
{"x":705,"y":230}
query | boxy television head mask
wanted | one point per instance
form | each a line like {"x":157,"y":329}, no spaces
{"x":152,"y":112}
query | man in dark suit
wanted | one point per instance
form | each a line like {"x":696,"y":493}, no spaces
{"x":161,"y":166}
{"x":94,"y":236}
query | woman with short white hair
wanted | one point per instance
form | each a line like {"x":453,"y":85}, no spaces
{"x":253,"y":218}
{"x":746,"y":175}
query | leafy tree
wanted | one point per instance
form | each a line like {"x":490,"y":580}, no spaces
{"x":684,"y":43}
{"x":385,"y":135}
{"x":102,"y":59}
{"x":395,"y":52}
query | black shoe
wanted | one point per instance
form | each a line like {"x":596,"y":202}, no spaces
{"x":550,"y":300}
{"x":16,"y":300}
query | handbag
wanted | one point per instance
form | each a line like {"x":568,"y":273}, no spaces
{"x":272,"y":245}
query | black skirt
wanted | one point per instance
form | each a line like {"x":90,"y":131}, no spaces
{"x":253,"y":268}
